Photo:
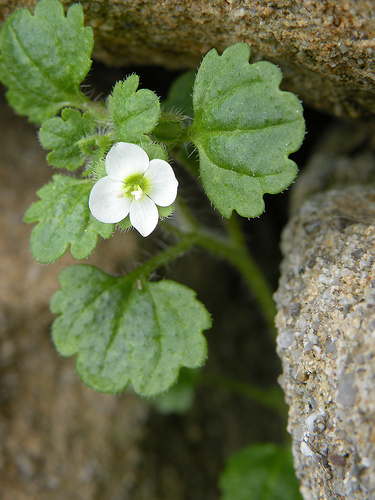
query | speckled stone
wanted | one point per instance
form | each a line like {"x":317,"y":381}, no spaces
{"x":325,"y":49}
{"x":344,"y":156}
{"x":326,"y":340}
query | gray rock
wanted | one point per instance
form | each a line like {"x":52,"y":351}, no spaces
{"x":327,"y":343}
{"x":344,"y":156}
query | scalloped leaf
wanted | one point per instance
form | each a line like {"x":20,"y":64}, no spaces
{"x":124,"y":332}
{"x":244,"y":128}
{"x":134,"y":113}
{"x":44,"y":59}
{"x":61,"y":134}
{"x":64,"y":219}
{"x":260,"y":472}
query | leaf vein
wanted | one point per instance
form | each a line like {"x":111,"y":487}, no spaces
{"x":210,"y":133}
{"x":227,"y":93}
{"x":41,"y":94}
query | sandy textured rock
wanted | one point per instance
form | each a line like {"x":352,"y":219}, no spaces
{"x":325,"y":49}
{"x":326,"y":323}
{"x":344,"y":156}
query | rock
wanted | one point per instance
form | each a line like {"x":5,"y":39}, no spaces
{"x":326,"y":321}
{"x":325,"y":49}
{"x":344,"y":156}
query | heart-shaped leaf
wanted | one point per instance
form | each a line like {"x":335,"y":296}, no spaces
{"x":244,"y":128}
{"x":134,"y":112}
{"x":125,"y":332}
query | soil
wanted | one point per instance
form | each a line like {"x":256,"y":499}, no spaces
{"x":59,"y":439}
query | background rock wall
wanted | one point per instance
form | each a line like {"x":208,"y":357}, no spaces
{"x":325,"y":48}
{"x":326,"y":320}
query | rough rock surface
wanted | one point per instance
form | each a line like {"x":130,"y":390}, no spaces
{"x":326,"y":323}
{"x":344,"y":156}
{"x":325,"y":49}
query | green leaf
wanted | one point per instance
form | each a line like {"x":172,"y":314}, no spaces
{"x":134,"y":113}
{"x":180,"y":397}
{"x":180,"y":95}
{"x":125,"y":332}
{"x":175,"y":109}
{"x":260,"y":472}
{"x":154,"y":151}
{"x":61,"y":135}
{"x":244,"y":128}
{"x":44,"y":58}
{"x":64,"y":219}
{"x":169,"y":128}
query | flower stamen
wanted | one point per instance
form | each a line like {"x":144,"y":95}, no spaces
{"x":137,"y":193}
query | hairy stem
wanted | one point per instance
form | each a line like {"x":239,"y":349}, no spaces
{"x":234,"y":250}
{"x":238,"y":255}
{"x":97,"y":109}
{"x":163,"y":257}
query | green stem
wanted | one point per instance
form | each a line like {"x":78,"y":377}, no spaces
{"x":187,"y":159}
{"x":97,"y":109}
{"x":269,"y":398}
{"x":162,"y":258}
{"x":234,"y":231}
{"x":236,"y":253}
{"x":89,"y":139}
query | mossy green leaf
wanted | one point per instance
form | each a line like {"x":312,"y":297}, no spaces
{"x":134,"y":113}
{"x":61,"y":134}
{"x":244,"y":127}
{"x":180,"y":397}
{"x":180,"y":95}
{"x":154,"y":150}
{"x":44,"y":59}
{"x":260,"y":472}
{"x":177,"y":110}
{"x":64,"y":219}
{"x":127,"y":333}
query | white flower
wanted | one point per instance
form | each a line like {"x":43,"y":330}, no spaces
{"x":134,"y":186}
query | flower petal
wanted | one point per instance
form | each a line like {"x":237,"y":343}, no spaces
{"x":107,"y":203}
{"x":144,"y":215}
{"x":163,"y":183}
{"x":125,"y":159}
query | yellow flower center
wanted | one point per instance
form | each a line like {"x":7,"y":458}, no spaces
{"x":135,"y":186}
